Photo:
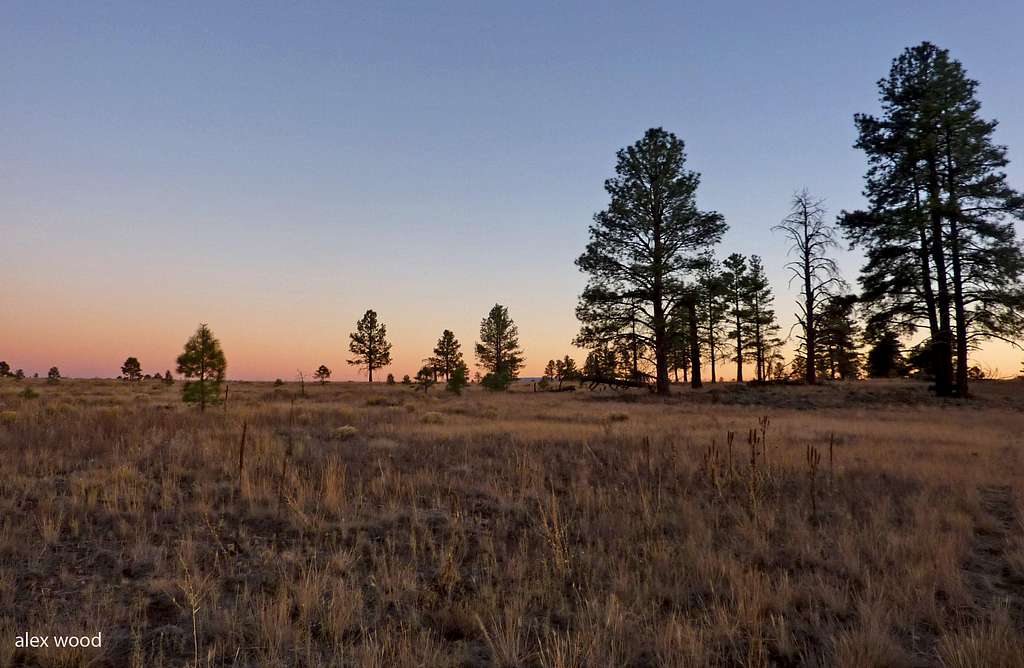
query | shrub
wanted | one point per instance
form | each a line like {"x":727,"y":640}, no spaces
{"x":391,"y":379}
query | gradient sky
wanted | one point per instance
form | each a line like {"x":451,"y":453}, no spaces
{"x":274,"y":169}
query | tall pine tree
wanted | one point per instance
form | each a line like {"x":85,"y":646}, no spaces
{"x":938,"y":232}
{"x":369,"y":344}
{"x":640,"y":247}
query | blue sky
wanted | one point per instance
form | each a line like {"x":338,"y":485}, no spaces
{"x":276,"y":169}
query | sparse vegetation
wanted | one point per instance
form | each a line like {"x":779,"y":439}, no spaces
{"x":515,"y":528}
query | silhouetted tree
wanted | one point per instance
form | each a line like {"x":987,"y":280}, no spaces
{"x":811,"y":240}
{"x":498,"y":351}
{"x":838,"y":333}
{"x":391,"y":379}
{"x":939,"y":246}
{"x":447,"y":354}
{"x":600,"y":364}
{"x":322,"y":374}
{"x":550,"y":370}
{"x":168,"y":378}
{"x":713,"y":304}
{"x":458,"y":378}
{"x":885,"y":358}
{"x":131,"y":370}
{"x":425,"y":378}
{"x":53,"y":375}
{"x":565,"y":369}
{"x":203,"y":365}
{"x":640,"y":247}
{"x":19,"y":375}
{"x":369,"y":344}
{"x":762,"y":327}
{"x":406,"y":380}
{"x":738,"y":286}
{"x":5,"y":369}
{"x":679,"y":336}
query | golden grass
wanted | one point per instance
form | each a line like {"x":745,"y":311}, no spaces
{"x":377,"y":526}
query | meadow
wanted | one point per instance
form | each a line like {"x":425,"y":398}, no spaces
{"x":860,"y":524}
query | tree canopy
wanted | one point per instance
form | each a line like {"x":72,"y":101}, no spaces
{"x":641,"y":248}
{"x":203,"y":365}
{"x":369,"y":344}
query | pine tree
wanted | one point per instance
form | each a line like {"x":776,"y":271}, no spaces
{"x":762,"y":327}
{"x":640,"y":247}
{"x":713,"y":303}
{"x":679,"y":347}
{"x":458,"y":377}
{"x":447,"y":354}
{"x":737,"y":286}
{"x":369,"y":344}
{"x":600,"y":365}
{"x":811,"y":240}
{"x":498,"y":351}
{"x":425,"y":377}
{"x":838,"y":334}
{"x":565,"y":369}
{"x":203,"y":365}
{"x":322,"y":374}
{"x":885,"y":358}
{"x":938,"y":233}
{"x":131,"y":370}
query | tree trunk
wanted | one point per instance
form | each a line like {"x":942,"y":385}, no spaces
{"x":694,"y":347}
{"x":809,"y":324}
{"x":959,"y":310}
{"x":739,"y":345}
{"x":711,"y":342}
{"x":942,"y":345}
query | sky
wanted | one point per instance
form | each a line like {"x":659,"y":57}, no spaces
{"x":275,"y":169}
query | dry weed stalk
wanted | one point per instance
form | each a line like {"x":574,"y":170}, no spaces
{"x":813,"y":458}
{"x":241,"y":457}
{"x":712,"y":467}
{"x":194,"y":590}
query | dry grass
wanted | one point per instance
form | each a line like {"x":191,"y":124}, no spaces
{"x":382,"y":527}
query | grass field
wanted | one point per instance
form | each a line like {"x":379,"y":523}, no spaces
{"x":859,"y":525}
